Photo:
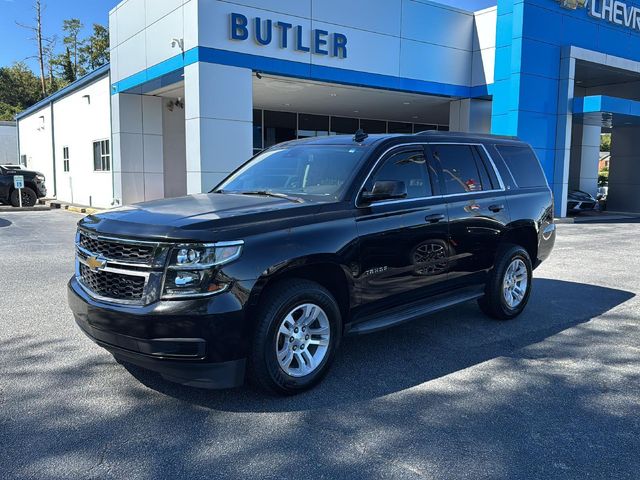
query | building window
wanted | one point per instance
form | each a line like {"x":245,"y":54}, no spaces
{"x":23,"y":160}
{"x":312,"y":125}
{"x":65,"y":159}
{"x":400,"y":127}
{"x":101,"y":156}
{"x":373,"y":126}
{"x":344,"y":125}
{"x":279,"y":127}
{"x":257,"y":132}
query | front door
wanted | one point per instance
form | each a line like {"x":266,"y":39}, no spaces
{"x":477,"y":209}
{"x":403,"y":243}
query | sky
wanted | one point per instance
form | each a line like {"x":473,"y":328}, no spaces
{"x":16,"y":46}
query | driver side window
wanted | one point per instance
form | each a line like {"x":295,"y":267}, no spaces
{"x":409,"y":167}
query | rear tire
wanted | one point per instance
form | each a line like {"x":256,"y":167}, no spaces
{"x":29,"y":198}
{"x":509,"y":286}
{"x":285,"y":366}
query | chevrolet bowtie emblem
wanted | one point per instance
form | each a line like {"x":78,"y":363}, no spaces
{"x":572,"y":4}
{"x":95,"y":263}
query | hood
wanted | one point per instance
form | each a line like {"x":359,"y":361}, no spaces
{"x":203,"y":217}
{"x":22,"y":171}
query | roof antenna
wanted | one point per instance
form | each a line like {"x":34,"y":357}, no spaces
{"x":360,"y":136}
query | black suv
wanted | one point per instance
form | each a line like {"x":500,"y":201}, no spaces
{"x":309,"y":241}
{"x":34,"y":187}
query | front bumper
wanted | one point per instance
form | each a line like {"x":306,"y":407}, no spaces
{"x":42,"y":190}
{"x":200,"y":343}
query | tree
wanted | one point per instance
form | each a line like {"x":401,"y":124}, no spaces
{"x":19,"y":89}
{"x":72,"y":28}
{"x":39,"y":39}
{"x":605,"y":142}
{"x":95,"y":50}
{"x":65,"y":64}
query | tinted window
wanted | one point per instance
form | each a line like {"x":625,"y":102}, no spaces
{"x":344,"y":125}
{"x":524,"y":165}
{"x":279,"y":127}
{"x":373,"y":126}
{"x":408,"y":167}
{"x":312,"y":125}
{"x":459,"y":168}
{"x":398,"y":127}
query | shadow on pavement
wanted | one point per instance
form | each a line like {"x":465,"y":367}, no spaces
{"x":379,"y":364}
{"x":4,"y":223}
{"x":536,"y":410}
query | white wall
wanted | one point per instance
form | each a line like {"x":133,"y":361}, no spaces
{"x":484,"y":46}
{"x":414,"y":39}
{"x":8,"y":143}
{"x":174,"y":151}
{"x":35,"y":143}
{"x":141,"y":32}
{"x":79,"y":121}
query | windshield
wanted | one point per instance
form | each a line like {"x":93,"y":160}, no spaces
{"x":316,"y":170}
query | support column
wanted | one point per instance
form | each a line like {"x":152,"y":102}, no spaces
{"x":589,"y":159}
{"x":470,"y":115}
{"x":137,"y":154}
{"x":624,"y":171}
{"x":219,"y":122}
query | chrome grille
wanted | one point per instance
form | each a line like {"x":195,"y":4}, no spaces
{"x":116,"y":250}
{"x":112,"y":285}
{"x":120,"y":271}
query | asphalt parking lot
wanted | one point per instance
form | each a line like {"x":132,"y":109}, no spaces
{"x":553,"y":394}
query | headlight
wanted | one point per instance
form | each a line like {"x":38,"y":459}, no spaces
{"x":40,"y":178}
{"x":191,"y":271}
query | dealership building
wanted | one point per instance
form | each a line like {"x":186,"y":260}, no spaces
{"x":195,"y":87}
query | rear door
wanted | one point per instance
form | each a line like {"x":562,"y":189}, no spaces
{"x":403,"y":243}
{"x":476,"y":206}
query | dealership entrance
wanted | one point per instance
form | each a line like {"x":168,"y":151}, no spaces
{"x":607,"y":100}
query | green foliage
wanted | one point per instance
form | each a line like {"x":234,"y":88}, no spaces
{"x":19,"y":89}
{"x":605,"y":142}
{"x":74,"y":45}
{"x":95,"y":50}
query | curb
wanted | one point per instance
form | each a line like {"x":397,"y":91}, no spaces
{"x":36,"y":208}
{"x":564,"y":220}
{"x":74,"y":208}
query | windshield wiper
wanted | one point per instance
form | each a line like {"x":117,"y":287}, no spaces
{"x":266,"y":193}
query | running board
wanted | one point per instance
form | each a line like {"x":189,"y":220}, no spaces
{"x":405,"y":313}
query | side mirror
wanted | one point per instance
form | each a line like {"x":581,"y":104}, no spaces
{"x":385,"y":190}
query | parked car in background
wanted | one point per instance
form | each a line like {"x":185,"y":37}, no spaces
{"x":34,"y":186}
{"x":309,"y":241}
{"x":12,"y":167}
{"x":579,"y":201}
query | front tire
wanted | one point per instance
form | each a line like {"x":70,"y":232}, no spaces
{"x":29,"y":198}
{"x":296,"y":336}
{"x":509,"y":286}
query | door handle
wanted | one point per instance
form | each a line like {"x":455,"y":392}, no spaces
{"x":496,"y":208}
{"x":435,"y":218}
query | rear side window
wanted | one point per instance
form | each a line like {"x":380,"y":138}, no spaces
{"x":523,"y":165}
{"x":462,"y":169}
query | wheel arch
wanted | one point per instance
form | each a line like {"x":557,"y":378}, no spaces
{"x":524,"y":234}
{"x":324,"y":270}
